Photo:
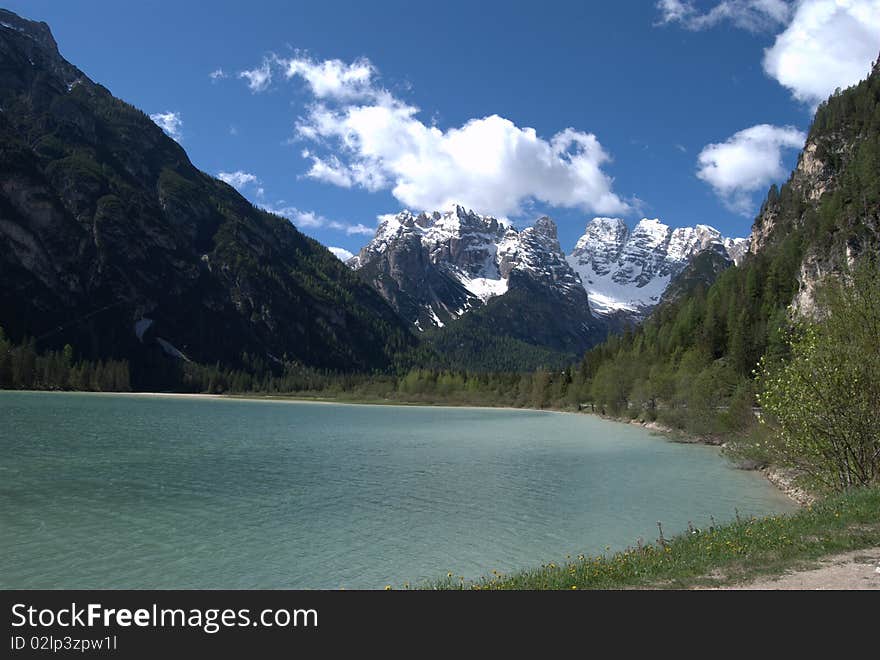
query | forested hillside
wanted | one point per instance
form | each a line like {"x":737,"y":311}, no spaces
{"x":693,"y":361}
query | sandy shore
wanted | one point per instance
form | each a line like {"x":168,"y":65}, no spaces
{"x":282,"y":398}
{"x":857,"y":570}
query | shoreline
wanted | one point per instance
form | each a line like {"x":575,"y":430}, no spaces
{"x":287,"y":398}
{"x":778,"y":478}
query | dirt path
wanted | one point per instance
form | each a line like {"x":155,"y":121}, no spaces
{"x":853,"y":570}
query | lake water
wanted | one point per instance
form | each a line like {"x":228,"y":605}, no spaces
{"x":130,"y":491}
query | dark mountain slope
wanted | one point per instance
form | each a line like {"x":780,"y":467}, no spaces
{"x":110,"y":239}
{"x":529,"y":327}
{"x":701,"y":271}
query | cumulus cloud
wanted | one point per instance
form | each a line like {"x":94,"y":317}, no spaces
{"x":361,"y":136}
{"x":823,"y":45}
{"x":332,"y":78}
{"x":259,"y":78}
{"x":828,"y":44}
{"x":490,"y":163}
{"x":329,"y":170}
{"x":237,"y":179}
{"x":327,"y":79}
{"x":747,"y":162}
{"x":217,"y":74}
{"x":364,"y":137}
{"x":170,"y":122}
{"x":341,"y":253}
{"x":311,"y":220}
{"x":752,"y":15}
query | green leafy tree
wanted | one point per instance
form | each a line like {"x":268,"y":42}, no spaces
{"x":823,"y":403}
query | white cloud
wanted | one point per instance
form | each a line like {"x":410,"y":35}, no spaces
{"x":824,"y":44}
{"x":259,"y":78}
{"x":333,"y":78}
{"x":752,"y":15}
{"x":747,"y":162}
{"x":170,"y":122}
{"x":673,"y":11}
{"x":828,"y":44}
{"x":329,"y":170}
{"x":217,"y":74}
{"x":363,"y":230}
{"x":364,"y":137}
{"x":341,"y":253}
{"x":489,"y":164}
{"x":237,"y":179}
{"x":312,"y":220}
{"x":302,"y":219}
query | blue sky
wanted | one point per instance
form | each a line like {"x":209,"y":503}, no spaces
{"x":399,"y":120}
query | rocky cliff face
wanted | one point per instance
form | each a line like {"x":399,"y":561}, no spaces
{"x":112,"y":241}
{"x":830,"y":202}
{"x":809,"y":181}
{"x":627,"y":272}
{"x":434,"y":267}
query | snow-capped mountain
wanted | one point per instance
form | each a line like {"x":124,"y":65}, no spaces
{"x":626,"y":272}
{"x":434,"y":267}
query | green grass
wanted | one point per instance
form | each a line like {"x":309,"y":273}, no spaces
{"x":713,"y":556}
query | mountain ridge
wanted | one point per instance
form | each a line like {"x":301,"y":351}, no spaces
{"x":626,"y":272}
{"x":113,"y":240}
{"x":475,"y":280}
{"x":435,"y":267}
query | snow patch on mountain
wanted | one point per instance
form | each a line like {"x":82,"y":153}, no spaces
{"x":628,"y":271}
{"x":607,"y":296}
{"x":477,"y":252}
{"x":435,"y":266}
{"x":484,"y":287}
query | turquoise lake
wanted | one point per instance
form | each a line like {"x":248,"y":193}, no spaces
{"x":139,"y":491}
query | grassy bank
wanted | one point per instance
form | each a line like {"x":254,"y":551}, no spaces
{"x":726,"y":554}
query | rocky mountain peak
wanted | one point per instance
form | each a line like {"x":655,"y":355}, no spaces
{"x":627,"y":271}
{"x":436,"y":266}
{"x":38,"y":31}
{"x":547,"y":227}
{"x":28,"y":47}
{"x":603,"y":231}
{"x":651,"y":231}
